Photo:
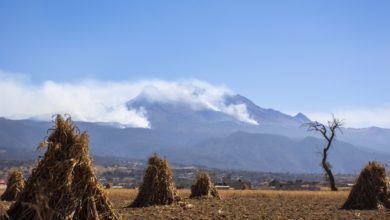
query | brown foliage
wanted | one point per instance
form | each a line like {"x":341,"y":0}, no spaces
{"x":63,"y":185}
{"x":15,"y":186}
{"x":370,"y":190}
{"x":158,"y":187}
{"x":204,"y":187}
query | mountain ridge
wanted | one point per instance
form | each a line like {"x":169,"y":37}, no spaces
{"x":204,"y":136}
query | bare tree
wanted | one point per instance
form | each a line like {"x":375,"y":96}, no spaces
{"x":329,"y":133}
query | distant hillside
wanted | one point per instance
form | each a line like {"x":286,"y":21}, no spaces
{"x":17,"y":154}
{"x":239,"y":150}
{"x":201,"y":136}
{"x":278,"y":154}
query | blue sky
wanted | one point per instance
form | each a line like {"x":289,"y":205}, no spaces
{"x":311,"y":56}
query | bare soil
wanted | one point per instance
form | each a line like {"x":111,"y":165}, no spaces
{"x":248,"y":204}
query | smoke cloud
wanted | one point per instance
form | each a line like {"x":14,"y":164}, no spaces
{"x":98,"y":101}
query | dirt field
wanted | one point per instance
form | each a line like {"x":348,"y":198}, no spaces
{"x":245,"y":205}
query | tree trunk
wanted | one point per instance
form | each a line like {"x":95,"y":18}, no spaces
{"x":328,"y":170}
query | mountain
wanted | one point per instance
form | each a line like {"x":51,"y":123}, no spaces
{"x":191,"y":134}
{"x":182,"y":117}
{"x":178,"y":115}
{"x":264,"y":116}
{"x":302,"y":118}
{"x":373,"y":138}
{"x":18,"y":154}
{"x":276,"y":153}
{"x":168,"y":113}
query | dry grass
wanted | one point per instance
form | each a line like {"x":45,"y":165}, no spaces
{"x":4,"y":206}
{"x":250,"y":204}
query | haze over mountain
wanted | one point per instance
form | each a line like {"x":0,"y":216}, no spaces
{"x":240,"y":136}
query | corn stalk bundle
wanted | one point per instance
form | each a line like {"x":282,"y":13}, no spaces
{"x":370,"y":190}
{"x":158,"y":187}
{"x":15,"y":185}
{"x":204,"y":187}
{"x":63,"y":185}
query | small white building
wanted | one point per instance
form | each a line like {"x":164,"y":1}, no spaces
{"x":222,"y":187}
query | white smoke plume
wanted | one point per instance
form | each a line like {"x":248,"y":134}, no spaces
{"x":101,"y":101}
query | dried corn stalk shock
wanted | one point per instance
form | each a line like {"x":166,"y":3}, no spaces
{"x":204,"y":187}
{"x":158,"y":187}
{"x":370,"y":190}
{"x":63,"y":185}
{"x":15,"y":185}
